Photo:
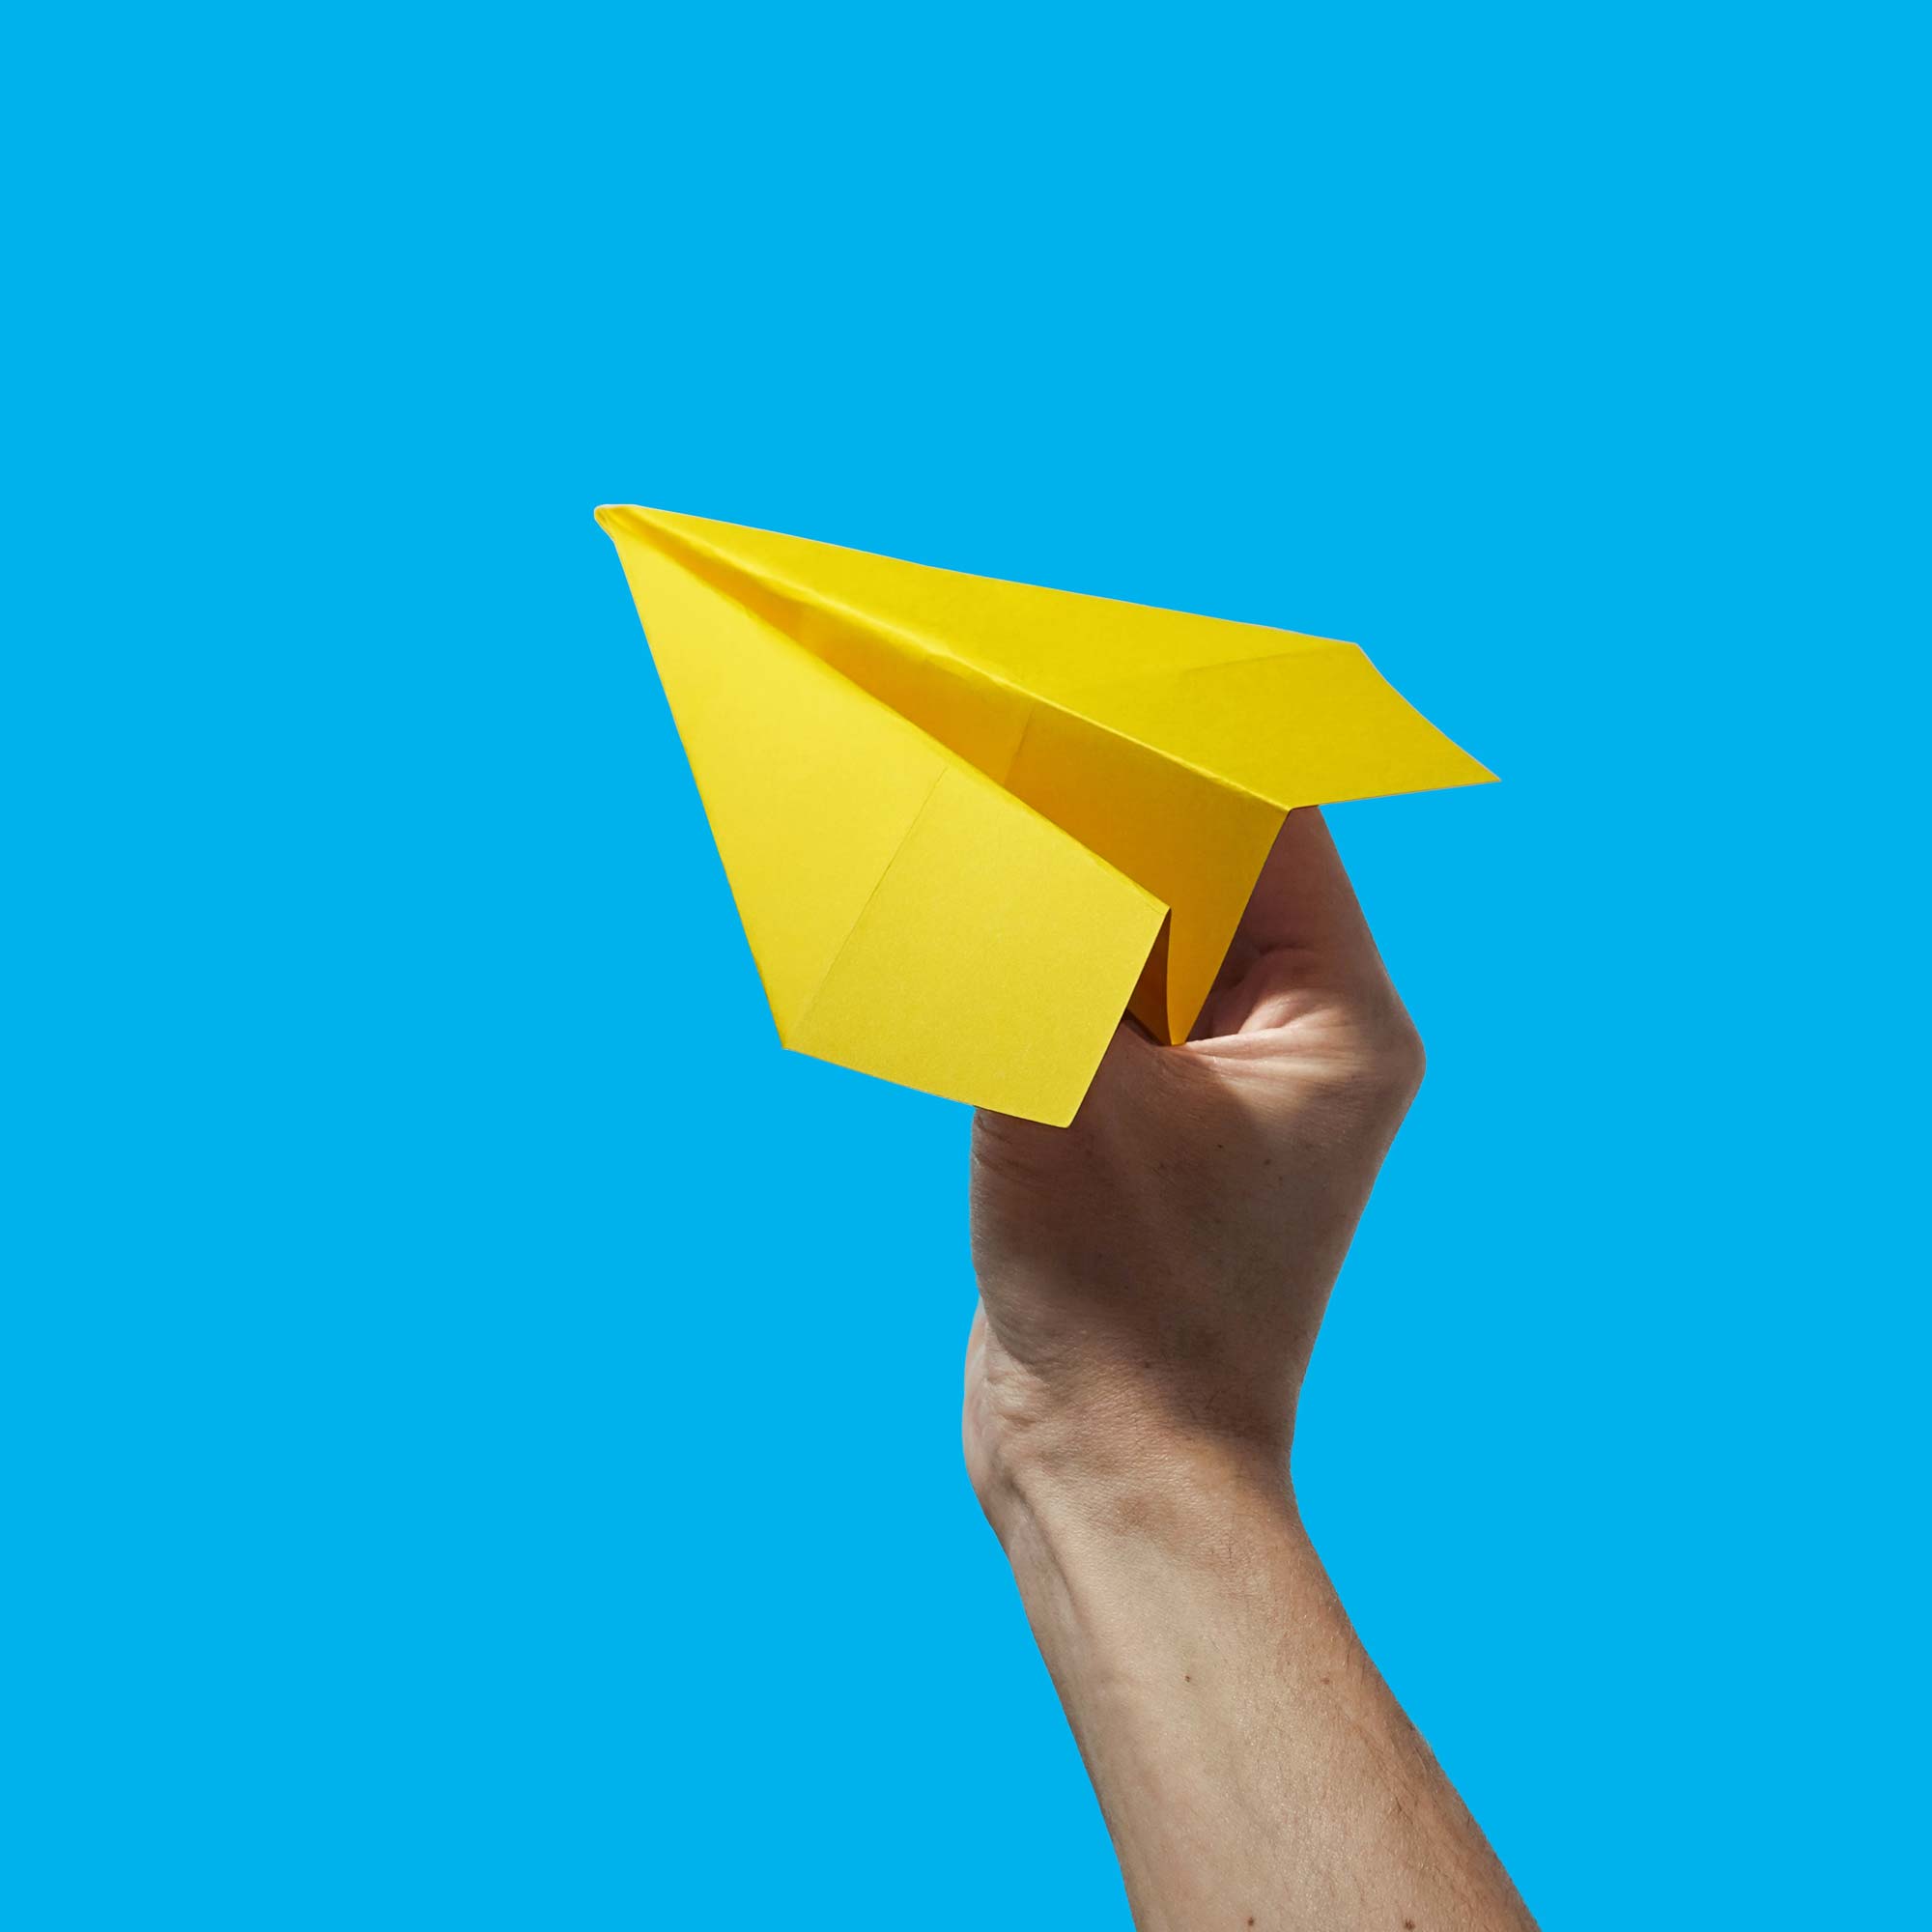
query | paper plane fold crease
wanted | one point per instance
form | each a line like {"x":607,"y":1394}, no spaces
{"x":969,"y":823}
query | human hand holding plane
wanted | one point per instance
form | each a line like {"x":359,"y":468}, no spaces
{"x":1151,"y":1281}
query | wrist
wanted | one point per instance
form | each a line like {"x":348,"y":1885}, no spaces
{"x":1120,"y":1442}
{"x":1077,"y":1475}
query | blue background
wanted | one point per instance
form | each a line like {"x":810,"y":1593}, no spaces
{"x":483,"y":1421}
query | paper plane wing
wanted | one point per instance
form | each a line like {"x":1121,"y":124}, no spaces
{"x":967,"y":823}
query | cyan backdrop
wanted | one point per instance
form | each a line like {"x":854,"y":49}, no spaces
{"x":483,"y":1421}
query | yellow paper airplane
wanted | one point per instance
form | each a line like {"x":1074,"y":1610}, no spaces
{"x":969,"y":823}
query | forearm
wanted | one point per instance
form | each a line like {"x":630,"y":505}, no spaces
{"x":1253,"y":1768}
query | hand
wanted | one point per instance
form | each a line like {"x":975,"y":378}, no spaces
{"x":1151,"y":1283}
{"x":1151,"y":1278}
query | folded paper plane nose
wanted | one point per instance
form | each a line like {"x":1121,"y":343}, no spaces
{"x":968,"y":823}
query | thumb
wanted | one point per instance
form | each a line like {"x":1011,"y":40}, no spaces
{"x":1302,"y":912}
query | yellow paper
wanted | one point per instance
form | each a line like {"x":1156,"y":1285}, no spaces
{"x":969,"y":823}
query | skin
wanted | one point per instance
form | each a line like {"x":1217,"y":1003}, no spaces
{"x":1151,"y":1281}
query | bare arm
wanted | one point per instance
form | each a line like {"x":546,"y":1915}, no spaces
{"x":1151,"y":1280}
